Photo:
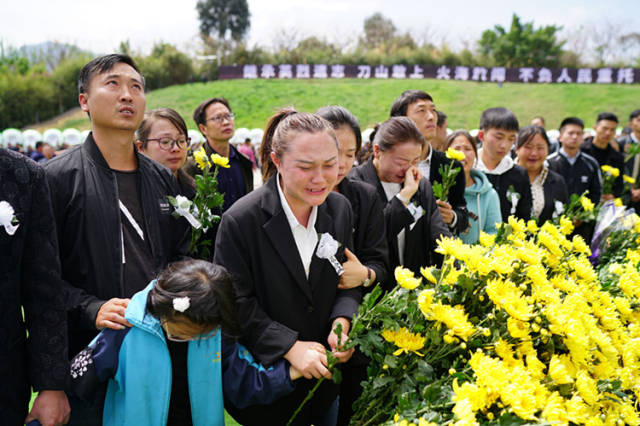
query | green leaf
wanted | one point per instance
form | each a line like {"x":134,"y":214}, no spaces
{"x":380,"y":382}
{"x":437,"y":190}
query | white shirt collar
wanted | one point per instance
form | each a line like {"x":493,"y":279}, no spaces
{"x":503,"y":166}
{"x":428,"y":159}
{"x":291,"y":218}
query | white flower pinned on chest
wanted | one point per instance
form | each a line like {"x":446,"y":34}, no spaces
{"x":513,"y":197}
{"x":183,"y":208}
{"x":327,"y":249}
{"x":8,"y":218}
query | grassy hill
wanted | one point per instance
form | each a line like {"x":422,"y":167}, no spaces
{"x":253,"y":101}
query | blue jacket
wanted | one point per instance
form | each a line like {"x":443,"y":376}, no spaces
{"x":137,"y":364}
{"x":483,"y":201}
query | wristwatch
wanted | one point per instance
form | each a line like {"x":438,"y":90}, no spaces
{"x":367,"y":282}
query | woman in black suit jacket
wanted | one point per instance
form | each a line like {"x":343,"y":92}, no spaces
{"x":370,"y":263}
{"x":548,"y":188}
{"x":413,"y":221}
{"x":289,"y":303}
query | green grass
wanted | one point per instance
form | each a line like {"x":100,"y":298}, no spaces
{"x":254,"y":101}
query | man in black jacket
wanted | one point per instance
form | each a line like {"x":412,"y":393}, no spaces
{"x":599,"y":147}
{"x":419,"y":107}
{"x":114,"y":224}
{"x":632,"y":166}
{"x":498,"y":131}
{"x":30,"y":278}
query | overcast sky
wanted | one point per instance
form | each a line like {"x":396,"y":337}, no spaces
{"x":99,"y":25}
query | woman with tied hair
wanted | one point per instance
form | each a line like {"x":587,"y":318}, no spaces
{"x":482,"y":200}
{"x":178,"y":362}
{"x":163,"y":137}
{"x":548,"y":188}
{"x":413,"y":221}
{"x":369,"y":264}
{"x":284,"y":244}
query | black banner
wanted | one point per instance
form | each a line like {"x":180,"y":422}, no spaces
{"x":439,"y":72}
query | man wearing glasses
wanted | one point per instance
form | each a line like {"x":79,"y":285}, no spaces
{"x":114,"y":226}
{"x":215,"y":121}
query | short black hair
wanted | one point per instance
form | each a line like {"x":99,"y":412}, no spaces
{"x":210,"y":290}
{"x":400,"y":105}
{"x":527,"y":133}
{"x":571,"y":120}
{"x":200,"y":113}
{"x":498,"y":118}
{"x":101,"y":65}
{"x":442,"y":117}
{"x":339,"y":116}
{"x":39,"y":144}
{"x":634,"y":114}
{"x":608,"y":116}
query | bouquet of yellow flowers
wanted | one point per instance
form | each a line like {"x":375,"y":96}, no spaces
{"x":610,"y":174}
{"x":517,"y":329}
{"x":200,"y":211}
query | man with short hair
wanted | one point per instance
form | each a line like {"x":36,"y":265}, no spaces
{"x":498,"y":132}
{"x":419,"y":107}
{"x":580,"y":171}
{"x":600,"y":148}
{"x":114,"y":223}
{"x":215,"y":121}
{"x":632,"y":166}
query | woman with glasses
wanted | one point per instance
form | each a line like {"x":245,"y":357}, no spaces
{"x":163,"y":136}
{"x":173,"y":365}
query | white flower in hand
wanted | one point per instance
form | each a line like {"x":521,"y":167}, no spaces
{"x":7,"y":218}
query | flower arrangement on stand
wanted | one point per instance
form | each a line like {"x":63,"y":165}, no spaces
{"x":199,"y":212}
{"x":518,"y":329}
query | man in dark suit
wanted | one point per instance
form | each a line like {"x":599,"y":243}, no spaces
{"x":29,"y":279}
{"x":420,"y":108}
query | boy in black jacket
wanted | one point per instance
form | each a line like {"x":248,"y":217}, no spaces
{"x":498,"y":131}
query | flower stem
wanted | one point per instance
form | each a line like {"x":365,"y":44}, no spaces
{"x":306,"y":399}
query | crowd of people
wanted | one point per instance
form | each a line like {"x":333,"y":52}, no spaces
{"x":125,"y":328}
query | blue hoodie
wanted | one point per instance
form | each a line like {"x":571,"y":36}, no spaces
{"x":482,"y":200}
{"x":137,"y":364}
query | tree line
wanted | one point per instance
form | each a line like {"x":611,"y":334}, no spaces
{"x":36,"y":88}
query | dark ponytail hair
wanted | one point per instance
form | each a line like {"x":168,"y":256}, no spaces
{"x":210,"y":291}
{"x":394,"y":131}
{"x":280,"y":130}
{"x":339,"y":116}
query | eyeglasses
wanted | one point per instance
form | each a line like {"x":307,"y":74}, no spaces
{"x":221,"y":118}
{"x":167,"y":143}
{"x":198,"y":337}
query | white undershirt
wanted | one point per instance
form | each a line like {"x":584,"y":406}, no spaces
{"x":425,"y":165}
{"x":392,"y":189}
{"x":306,"y":238}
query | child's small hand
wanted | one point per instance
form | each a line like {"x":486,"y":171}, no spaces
{"x":294,"y":374}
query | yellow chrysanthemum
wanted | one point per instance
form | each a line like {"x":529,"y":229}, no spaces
{"x":566,"y":225}
{"x":454,"y":154}
{"x":454,"y":318}
{"x":426,"y":272}
{"x":487,"y":240}
{"x":405,"y":278}
{"x":612,"y":171}
{"x":405,"y":340}
{"x":561,"y":370}
{"x":425,"y":299}
{"x":628,"y":179}
{"x":518,"y":329}
{"x":200,"y":156}
{"x":219,"y":160}
{"x":587,"y":204}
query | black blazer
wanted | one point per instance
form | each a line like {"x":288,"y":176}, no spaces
{"x":555,"y":189}
{"x":369,"y":236}
{"x":29,"y":278}
{"x":276,"y":303}
{"x":517,"y":178}
{"x":420,"y":241}
{"x":456,"y":193}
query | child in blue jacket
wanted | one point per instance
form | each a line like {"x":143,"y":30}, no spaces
{"x":178,"y":362}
